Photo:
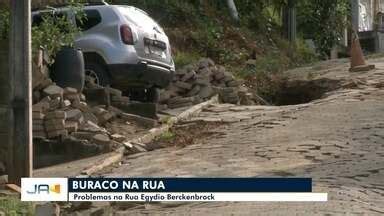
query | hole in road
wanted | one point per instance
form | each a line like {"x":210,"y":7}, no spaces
{"x":299,"y":91}
{"x":293,"y":92}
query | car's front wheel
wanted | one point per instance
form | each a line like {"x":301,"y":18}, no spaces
{"x":147,"y":95}
{"x":153,"y":94}
{"x":98,"y":73}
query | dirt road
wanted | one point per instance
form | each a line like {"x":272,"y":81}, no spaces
{"x":337,"y":140}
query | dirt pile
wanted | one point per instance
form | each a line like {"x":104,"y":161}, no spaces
{"x":199,"y":81}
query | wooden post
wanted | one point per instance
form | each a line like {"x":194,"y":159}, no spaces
{"x":20,"y":77}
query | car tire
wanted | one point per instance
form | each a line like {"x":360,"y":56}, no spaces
{"x":98,"y":72}
{"x":153,"y":95}
{"x":68,"y":69}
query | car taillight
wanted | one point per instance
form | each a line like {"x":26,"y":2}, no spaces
{"x":126,"y":34}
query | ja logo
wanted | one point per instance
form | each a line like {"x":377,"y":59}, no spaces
{"x":44,"y":189}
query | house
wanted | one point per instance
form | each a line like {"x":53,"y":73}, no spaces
{"x":368,"y":20}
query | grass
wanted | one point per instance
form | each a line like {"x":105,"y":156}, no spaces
{"x":13,"y":207}
{"x":167,"y":136}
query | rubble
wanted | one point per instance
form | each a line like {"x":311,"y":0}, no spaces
{"x":198,"y":82}
{"x":71,"y":126}
{"x":63,"y":116}
{"x":53,"y":91}
{"x":47,"y":209}
{"x":2,"y":168}
{"x":77,"y":121}
{"x":75,"y":115}
{"x":101,"y":139}
{"x":118,"y":137}
{"x":83,"y":135}
{"x":3,"y":179}
{"x":143,"y":121}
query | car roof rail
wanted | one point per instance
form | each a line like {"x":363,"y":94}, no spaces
{"x":95,"y":2}
{"x":88,"y":3}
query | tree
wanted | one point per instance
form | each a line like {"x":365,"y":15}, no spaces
{"x":233,"y":10}
{"x":324,"y":21}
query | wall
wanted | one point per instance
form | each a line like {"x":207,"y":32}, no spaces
{"x":366,"y":15}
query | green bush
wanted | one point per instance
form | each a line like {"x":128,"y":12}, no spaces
{"x":167,"y":136}
{"x":51,"y":34}
{"x":56,"y":31}
{"x":184,"y":58}
{"x":298,"y":53}
{"x":303,"y":54}
{"x":265,"y":74}
{"x":208,"y":38}
{"x":4,"y":23}
{"x":169,"y":12}
{"x":271,"y":63}
{"x":13,"y":207}
{"x":324,"y":21}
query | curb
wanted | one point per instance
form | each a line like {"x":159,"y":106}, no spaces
{"x":118,"y":155}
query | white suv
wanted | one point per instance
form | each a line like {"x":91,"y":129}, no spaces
{"x":123,"y":47}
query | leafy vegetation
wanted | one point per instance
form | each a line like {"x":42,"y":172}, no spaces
{"x":324,"y":21}
{"x":264,"y":74}
{"x":204,"y":28}
{"x":167,"y":136}
{"x":172,"y":12}
{"x":55,"y":30}
{"x":184,"y":58}
{"x":51,"y":33}
{"x":4,"y":23}
{"x":13,"y":207}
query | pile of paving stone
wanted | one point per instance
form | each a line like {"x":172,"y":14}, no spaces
{"x":199,"y":81}
{"x":70,"y":124}
{"x":65,"y":117}
{"x":60,"y":112}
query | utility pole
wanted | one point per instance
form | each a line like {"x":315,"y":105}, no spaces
{"x":355,"y":15}
{"x":20,"y":77}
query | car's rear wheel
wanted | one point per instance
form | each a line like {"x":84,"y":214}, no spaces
{"x":68,"y":69}
{"x":98,"y":73}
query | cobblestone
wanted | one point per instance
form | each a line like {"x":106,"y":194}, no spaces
{"x":337,"y":141}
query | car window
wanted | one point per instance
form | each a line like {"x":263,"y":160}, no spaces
{"x":92,"y":18}
{"x":39,"y":18}
{"x":138,"y":16}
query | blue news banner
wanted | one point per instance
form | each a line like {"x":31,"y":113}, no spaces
{"x":192,"y":189}
{"x":169,"y":189}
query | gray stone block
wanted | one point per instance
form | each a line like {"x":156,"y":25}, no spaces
{"x":183,"y":85}
{"x":74,"y":115}
{"x":53,"y":91}
{"x":206,"y":92}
